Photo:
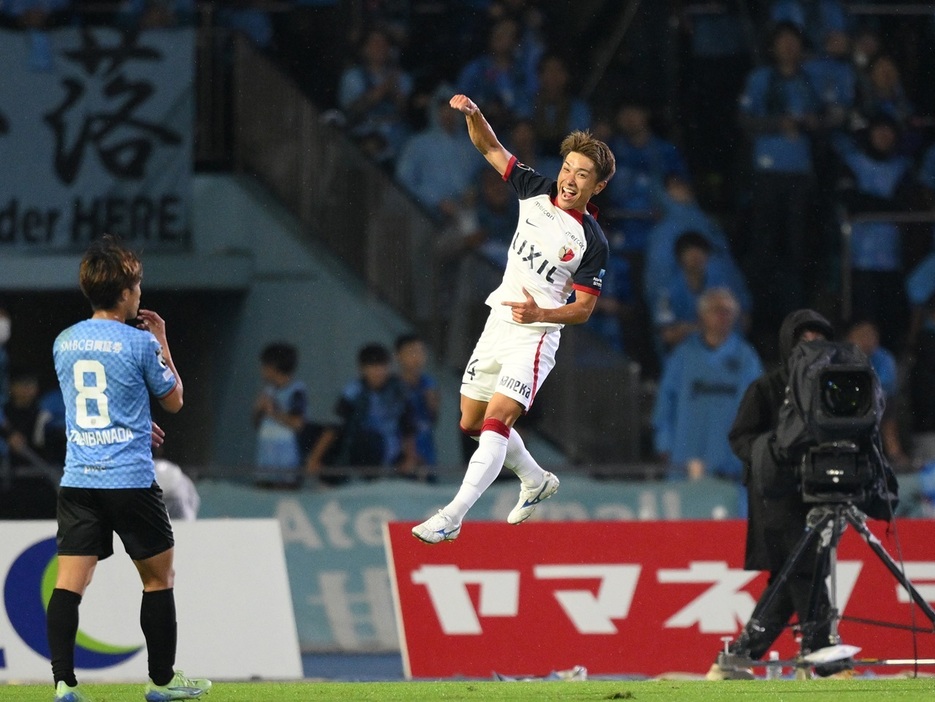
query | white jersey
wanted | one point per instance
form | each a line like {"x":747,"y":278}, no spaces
{"x":553,"y":252}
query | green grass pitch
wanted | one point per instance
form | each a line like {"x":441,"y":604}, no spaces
{"x":869,"y":689}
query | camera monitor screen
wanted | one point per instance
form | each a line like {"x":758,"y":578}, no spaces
{"x":846,"y":393}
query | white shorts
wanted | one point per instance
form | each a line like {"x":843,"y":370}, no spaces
{"x":510,"y":359}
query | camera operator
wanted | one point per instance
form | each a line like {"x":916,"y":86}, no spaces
{"x":776,"y":520}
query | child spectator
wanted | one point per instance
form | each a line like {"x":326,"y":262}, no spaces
{"x":279,"y":417}
{"x":378,"y":428}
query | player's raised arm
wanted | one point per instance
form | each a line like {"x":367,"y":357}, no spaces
{"x":481,"y":133}
{"x":155,"y":324}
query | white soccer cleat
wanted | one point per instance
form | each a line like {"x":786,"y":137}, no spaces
{"x":529,"y":498}
{"x":437,"y":528}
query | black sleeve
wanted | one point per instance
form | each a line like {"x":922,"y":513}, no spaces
{"x":754,"y":417}
{"x":526,"y":181}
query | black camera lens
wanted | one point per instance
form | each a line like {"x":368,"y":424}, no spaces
{"x":846,"y":393}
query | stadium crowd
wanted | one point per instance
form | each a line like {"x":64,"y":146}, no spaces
{"x":795,"y":121}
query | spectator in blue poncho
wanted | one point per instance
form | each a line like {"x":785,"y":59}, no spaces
{"x":702,"y":383}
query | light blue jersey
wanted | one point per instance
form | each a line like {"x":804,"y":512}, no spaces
{"x":107,"y":372}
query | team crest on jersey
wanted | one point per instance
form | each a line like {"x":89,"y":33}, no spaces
{"x":162,"y":360}
{"x":566,"y":254}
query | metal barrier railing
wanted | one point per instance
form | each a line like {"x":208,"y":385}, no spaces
{"x":445,"y":474}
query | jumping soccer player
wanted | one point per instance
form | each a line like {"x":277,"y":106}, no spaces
{"x":107,"y":371}
{"x":558,"y":247}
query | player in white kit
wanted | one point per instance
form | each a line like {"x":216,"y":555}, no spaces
{"x":558,"y":248}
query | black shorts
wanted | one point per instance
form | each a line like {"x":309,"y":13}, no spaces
{"x":89,"y":517}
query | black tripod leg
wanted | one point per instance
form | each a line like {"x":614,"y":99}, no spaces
{"x":812,"y":531}
{"x":822,"y":611}
{"x":858,"y":521}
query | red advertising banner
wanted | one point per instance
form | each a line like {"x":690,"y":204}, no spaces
{"x":624,"y":597}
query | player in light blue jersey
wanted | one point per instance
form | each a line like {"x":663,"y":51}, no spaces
{"x":107,"y":371}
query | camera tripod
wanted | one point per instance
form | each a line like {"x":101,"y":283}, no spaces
{"x":827,"y":522}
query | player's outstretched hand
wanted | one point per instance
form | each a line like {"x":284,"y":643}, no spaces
{"x":527,"y":311}
{"x":464,"y":104}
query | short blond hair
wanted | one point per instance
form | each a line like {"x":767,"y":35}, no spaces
{"x":584,"y":143}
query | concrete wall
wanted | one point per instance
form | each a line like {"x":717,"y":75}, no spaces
{"x":297,"y":293}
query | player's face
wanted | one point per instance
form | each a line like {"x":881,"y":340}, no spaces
{"x":577,"y":182}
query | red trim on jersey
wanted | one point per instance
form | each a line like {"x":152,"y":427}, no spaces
{"x":495,"y":425}
{"x":509,"y":167}
{"x":535,"y":371}
{"x":174,"y":388}
{"x":469,"y":432}
{"x":586,"y":288}
{"x":575,"y":214}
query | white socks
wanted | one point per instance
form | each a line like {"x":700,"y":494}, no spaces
{"x":497,"y":447}
{"x":520,"y":461}
{"x":482,"y":470}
